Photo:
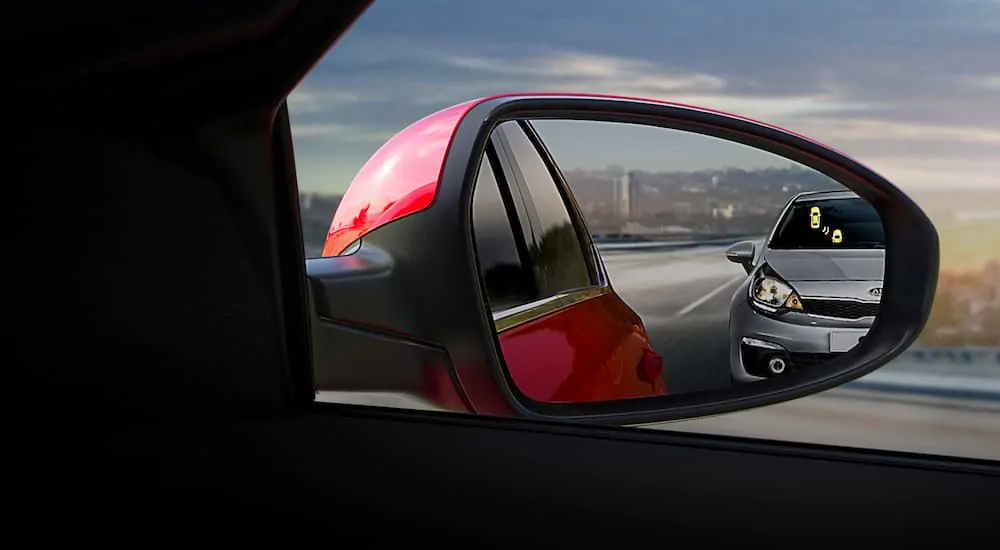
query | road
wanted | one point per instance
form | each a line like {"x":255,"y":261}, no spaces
{"x":683,"y":299}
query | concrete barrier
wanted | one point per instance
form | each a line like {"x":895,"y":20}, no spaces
{"x":314,"y":249}
{"x":666,"y":245}
{"x":970,"y":373}
{"x":937,"y":385}
{"x":970,"y":355}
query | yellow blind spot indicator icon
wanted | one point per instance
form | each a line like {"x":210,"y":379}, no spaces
{"x":814,"y":217}
{"x":837,"y":236}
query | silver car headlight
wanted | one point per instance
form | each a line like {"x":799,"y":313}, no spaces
{"x":773,"y":295}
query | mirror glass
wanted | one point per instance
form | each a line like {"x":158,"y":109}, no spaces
{"x":625,"y":261}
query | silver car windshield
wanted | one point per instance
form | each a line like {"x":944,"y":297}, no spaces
{"x":829,"y":224}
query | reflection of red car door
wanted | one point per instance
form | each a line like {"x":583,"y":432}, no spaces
{"x":563,"y":332}
{"x":592,"y":350}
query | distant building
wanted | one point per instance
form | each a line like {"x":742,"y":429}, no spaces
{"x":726,"y":212}
{"x":626,"y":193}
{"x":623,"y":203}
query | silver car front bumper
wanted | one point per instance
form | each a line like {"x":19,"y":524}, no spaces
{"x":761,"y":346}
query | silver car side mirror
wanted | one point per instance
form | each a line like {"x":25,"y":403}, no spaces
{"x":743,"y":253}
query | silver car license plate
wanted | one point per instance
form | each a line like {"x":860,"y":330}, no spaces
{"x":845,"y":340}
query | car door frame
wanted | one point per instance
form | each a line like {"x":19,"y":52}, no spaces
{"x":599,"y":282}
{"x":527,"y":217}
{"x":595,"y":264}
{"x":512,"y":182}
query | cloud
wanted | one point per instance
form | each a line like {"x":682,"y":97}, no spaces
{"x":589,"y":67}
{"x":880,"y":130}
{"x":988,"y":82}
{"x":308,"y":100}
{"x":890,"y":80}
{"x":339,"y":132}
{"x":583,"y":72}
{"x":937,"y":173}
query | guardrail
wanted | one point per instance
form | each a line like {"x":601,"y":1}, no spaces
{"x":671,"y":244}
{"x":314,"y":249}
{"x":953,"y":355}
{"x":962,"y":373}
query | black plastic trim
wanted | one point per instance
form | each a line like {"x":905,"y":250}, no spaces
{"x":350,"y":354}
{"x":513,"y":200}
{"x":516,"y":184}
{"x":569,"y":200}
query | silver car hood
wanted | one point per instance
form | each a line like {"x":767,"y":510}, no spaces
{"x":827,"y":265}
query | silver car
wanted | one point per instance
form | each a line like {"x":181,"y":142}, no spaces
{"x":812,"y":290}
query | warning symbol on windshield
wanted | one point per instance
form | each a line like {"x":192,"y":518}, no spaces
{"x":814,"y":217}
{"x":837,"y":236}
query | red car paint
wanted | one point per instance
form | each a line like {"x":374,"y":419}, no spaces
{"x":591,"y":351}
{"x":594,"y":350}
{"x":400,"y":179}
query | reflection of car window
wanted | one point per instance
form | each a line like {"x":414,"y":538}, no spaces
{"x":507,"y":282}
{"x":556,"y":252}
{"x":830,"y":223}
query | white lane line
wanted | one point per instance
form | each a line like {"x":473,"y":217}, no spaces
{"x":693,"y":305}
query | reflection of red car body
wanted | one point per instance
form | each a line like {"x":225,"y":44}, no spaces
{"x":594,"y":350}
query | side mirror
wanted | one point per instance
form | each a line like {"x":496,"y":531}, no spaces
{"x":743,"y":253}
{"x":460,"y":265}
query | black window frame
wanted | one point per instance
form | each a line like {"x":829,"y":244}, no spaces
{"x":790,"y":209}
{"x":514,"y":210}
{"x":515,"y":176}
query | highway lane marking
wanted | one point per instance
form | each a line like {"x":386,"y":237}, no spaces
{"x":629,"y":267}
{"x":695,"y":304}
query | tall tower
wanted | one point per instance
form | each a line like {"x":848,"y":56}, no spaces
{"x":634,"y":193}
{"x":623,"y":196}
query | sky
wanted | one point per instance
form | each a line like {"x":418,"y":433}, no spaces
{"x":596,"y":145}
{"x":909,"y":87}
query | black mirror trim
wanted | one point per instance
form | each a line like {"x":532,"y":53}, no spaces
{"x":911,"y":270}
